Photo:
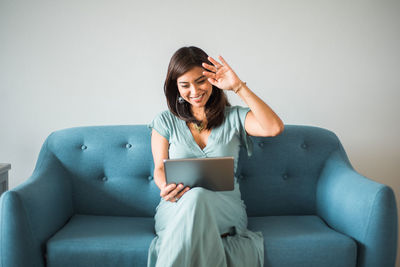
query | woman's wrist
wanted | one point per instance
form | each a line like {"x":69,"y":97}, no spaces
{"x":160,"y":182}
{"x":239,"y":87}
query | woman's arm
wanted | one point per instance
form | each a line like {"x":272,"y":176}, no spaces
{"x":159,"y":148}
{"x":261,"y":120}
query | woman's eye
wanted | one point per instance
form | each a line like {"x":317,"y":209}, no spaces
{"x":199,"y":82}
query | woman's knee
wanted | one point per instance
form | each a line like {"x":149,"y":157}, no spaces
{"x":197,"y":195}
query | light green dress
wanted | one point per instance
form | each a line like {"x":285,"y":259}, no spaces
{"x":189,"y":230}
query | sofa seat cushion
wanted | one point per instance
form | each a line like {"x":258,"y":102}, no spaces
{"x":303,"y":241}
{"x":88,"y":240}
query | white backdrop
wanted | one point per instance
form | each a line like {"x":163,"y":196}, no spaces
{"x":331,"y":64}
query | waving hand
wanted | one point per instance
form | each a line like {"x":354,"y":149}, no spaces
{"x":221,"y":75}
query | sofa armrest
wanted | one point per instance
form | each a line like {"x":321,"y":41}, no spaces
{"x":360,"y":208}
{"x":33,"y":211}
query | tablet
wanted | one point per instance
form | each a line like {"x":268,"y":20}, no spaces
{"x":215,"y":174}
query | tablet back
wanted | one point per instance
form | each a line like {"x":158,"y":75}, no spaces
{"x":215,"y":174}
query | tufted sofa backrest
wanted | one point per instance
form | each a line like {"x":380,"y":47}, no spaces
{"x":110,"y":169}
{"x":281,"y":176}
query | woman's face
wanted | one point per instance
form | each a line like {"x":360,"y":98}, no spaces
{"x":194,"y":87}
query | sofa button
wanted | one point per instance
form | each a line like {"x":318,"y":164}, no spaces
{"x":285,"y":176}
{"x":304,"y":145}
{"x":104,"y":178}
{"x":128,"y":146}
{"x":150,"y":178}
{"x":261,"y":144}
{"x":83,"y":147}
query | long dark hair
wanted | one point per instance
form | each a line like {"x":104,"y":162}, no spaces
{"x":183,"y":60}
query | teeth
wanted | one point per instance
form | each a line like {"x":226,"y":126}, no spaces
{"x":195,"y":98}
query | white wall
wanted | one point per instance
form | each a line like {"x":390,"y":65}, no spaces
{"x":332,"y":64}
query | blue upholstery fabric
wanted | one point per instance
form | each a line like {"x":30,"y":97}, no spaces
{"x":110,"y":169}
{"x":123,"y":241}
{"x":33,"y":211}
{"x":303,"y":241}
{"x":89,"y":240}
{"x":300,"y":183}
{"x":359,"y":207}
{"x":283,"y":172}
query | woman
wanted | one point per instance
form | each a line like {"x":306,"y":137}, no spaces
{"x":198,"y":227}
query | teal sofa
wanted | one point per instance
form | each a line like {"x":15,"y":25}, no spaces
{"x":91,"y":200}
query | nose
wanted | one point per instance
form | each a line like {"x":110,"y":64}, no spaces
{"x":194,"y":89}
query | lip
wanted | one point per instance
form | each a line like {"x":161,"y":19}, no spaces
{"x":199,"y":96}
{"x":197,"y":100}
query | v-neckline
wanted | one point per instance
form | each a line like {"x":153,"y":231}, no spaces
{"x":194,"y":141}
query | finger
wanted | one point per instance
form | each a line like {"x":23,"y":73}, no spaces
{"x":167,"y":190}
{"x":178,"y":189}
{"x":209,"y":67}
{"x":209,"y":74}
{"x":223,"y":61}
{"x":213,"y":81}
{"x":213,"y":61}
{"x":180,"y":194}
{"x":174,"y":192}
{"x":169,"y":197}
{"x":183,"y":192}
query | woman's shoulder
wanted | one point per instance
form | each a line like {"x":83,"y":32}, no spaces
{"x":235,"y":116}
{"x":166,"y":117}
{"x":164,"y":123}
{"x":234,"y":111}
{"x":164,"y":113}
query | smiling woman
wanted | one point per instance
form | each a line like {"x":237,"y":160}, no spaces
{"x":185,"y":79}
{"x":196,"y":226}
{"x":194,"y":90}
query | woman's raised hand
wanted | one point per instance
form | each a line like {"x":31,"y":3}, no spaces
{"x":172,"y":192}
{"x":221,"y":75}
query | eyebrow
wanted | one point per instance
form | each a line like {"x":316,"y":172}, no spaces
{"x":195,"y":80}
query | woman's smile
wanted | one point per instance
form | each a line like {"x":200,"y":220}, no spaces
{"x":197,"y":98}
{"x":194,"y":87}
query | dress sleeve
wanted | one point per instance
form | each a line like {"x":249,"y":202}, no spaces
{"x":244,"y":137}
{"x":161,"y":124}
